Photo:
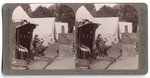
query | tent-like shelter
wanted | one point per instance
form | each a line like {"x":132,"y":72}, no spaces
{"x":47,"y":27}
{"x":60,"y":27}
{"x":109,"y":27}
{"x":83,"y":13}
{"x":19,"y":14}
{"x":122,"y":26}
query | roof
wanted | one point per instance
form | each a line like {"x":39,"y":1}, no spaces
{"x":26,"y":24}
{"x":19,"y":14}
{"x":83,"y":13}
{"x":88,"y":24}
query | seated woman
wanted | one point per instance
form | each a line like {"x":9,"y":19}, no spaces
{"x":100,"y":45}
{"x":36,"y":41}
{"x":99,"y":41}
{"x":37,"y":44}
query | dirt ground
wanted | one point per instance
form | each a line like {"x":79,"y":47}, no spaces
{"x":65,"y":59}
{"x":62,"y":63}
{"x":125,"y":63}
{"x":115,"y":60}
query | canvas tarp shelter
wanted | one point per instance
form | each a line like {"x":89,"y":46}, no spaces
{"x":58,"y":28}
{"x":109,"y":28}
{"x":19,"y":14}
{"x":48,"y":28}
{"x":45,"y":28}
{"x":122,"y":27}
{"x":83,"y":13}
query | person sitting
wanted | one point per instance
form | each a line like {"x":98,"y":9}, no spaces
{"x":36,"y":44}
{"x":36,"y":41}
{"x":99,"y":40}
{"x":100,"y":45}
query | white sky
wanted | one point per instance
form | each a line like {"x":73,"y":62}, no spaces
{"x":98,"y":6}
{"x":34,"y":6}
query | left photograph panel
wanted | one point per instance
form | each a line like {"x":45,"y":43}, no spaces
{"x":43,"y":37}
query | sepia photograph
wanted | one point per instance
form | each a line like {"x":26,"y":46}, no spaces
{"x":75,"y":39}
{"x":43,"y":37}
{"x":107,"y":37}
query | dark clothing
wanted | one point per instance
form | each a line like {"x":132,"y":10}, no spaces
{"x":36,"y":42}
{"x":38,"y":48}
{"x":98,"y":41}
{"x":100,"y":45}
{"x":37,"y":45}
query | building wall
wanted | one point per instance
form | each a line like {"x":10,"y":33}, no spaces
{"x":66,"y":38}
{"x":129,"y":44}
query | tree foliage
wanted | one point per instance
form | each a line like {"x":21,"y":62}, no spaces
{"x":64,"y":13}
{"x":42,"y":12}
{"x":124,"y":12}
{"x":106,"y":11}
{"x":129,"y":14}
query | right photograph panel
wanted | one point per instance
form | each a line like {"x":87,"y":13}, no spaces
{"x":107,"y":37}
